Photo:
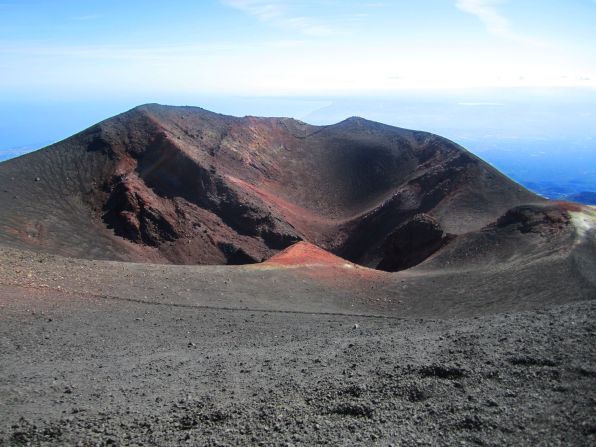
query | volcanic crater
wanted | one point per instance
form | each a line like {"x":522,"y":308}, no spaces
{"x":410,"y":294}
{"x":183,"y":185}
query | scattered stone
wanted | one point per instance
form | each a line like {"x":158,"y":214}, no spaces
{"x":532,"y":361}
{"x":442,"y":372}
{"x":352,"y":409}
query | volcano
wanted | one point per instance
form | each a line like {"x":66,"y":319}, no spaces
{"x":387,"y":288}
{"x":183,"y":185}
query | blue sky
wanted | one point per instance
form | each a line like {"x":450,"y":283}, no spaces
{"x":512,"y":80}
{"x":93,"y":49}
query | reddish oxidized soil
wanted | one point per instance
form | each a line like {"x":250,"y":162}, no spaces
{"x":305,"y":254}
{"x":569,"y":206}
{"x":320,"y":265}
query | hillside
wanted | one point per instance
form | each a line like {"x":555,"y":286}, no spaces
{"x":187,"y":186}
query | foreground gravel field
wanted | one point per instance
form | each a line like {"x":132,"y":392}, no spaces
{"x":90,"y":371}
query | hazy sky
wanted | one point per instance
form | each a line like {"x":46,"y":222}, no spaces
{"x":97,"y":49}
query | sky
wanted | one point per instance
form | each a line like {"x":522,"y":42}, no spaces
{"x":89,"y":49}
{"x":512,"y":80}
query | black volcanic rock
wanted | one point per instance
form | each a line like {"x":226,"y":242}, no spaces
{"x":534,"y":219}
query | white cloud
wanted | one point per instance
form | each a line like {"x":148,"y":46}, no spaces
{"x":495,"y":22}
{"x":480,"y":104}
{"x":264,"y":10}
{"x":267,"y":68}
{"x":276,"y":12}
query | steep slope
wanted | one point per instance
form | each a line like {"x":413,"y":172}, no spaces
{"x":188,"y":186}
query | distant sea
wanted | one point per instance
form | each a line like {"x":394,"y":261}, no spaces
{"x":544,"y":139}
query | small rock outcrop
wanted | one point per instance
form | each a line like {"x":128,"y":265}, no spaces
{"x":534,"y":219}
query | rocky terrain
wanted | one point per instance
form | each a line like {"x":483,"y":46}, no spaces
{"x":109,"y":372}
{"x":172,"y":276}
{"x":188,"y":186}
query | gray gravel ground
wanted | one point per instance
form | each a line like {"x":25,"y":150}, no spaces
{"x":91,"y":371}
